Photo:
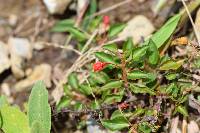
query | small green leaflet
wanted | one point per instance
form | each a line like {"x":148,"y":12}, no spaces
{"x":115,"y":29}
{"x":64,"y":102}
{"x":62,"y":25}
{"x":182,"y":110}
{"x":138,"y":53}
{"x":112,"y":98}
{"x":154,"y":53}
{"x":136,"y":88}
{"x":111,"y":47}
{"x":73,"y":80}
{"x":85,"y":89}
{"x":137,"y":74}
{"x":111,"y":85}
{"x":114,"y":124}
{"x":106,"y":57}
{"x":171,"y":65}
{"x":99,"y":77}
{"x":38,"y":107}
{"x":128,"y":47}
{"x":77,"y":33}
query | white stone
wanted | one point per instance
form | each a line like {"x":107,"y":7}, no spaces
{"x":138,"y":27}
{"x":20,"y":49}
{"x":193,"y":127}
{"x":4,"y":60}
{"x":80,"y":5}
{"x":40,"y":72}
{"x":56,"y":6}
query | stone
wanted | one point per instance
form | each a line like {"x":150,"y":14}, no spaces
{"x":4,"y":60}
{"x":193,"y":127}
{"x":139,"y":27}
{"x":20,"y":50}
{"x":56,"y":6}
{"x":40,"y":72}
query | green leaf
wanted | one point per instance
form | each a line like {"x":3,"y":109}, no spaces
{"x":116,"y":114}
{"x":171,"y":65}
{"x":138,"y":53}
{"x":73,"y":80}
{"x":62,"y":25}
{"x":37,"y":127}
{"x":88,"y":20}
{"x":111,"y":47}
{"x":77,"y":33}
{"x":14,"y":121}
{"x":154,"y":53}
{"x":38,"y":106}
{"x":115,"y":124}
{"x":64,"y":102}
{"x":196,"y":63}
{"x":137,"y":74}
{"x":95,"y":105}
{"x":112,"y":98}
{"x":172,"y":89}
{"x":99,"y":77}
{"x":182,"y":110}
{"x":144,"y":128}
{"x":171,"y":76}
{"x":136,"y":88}
{"x":115,"y":29}
{"x":128,"y":47}
{"x":85,"y":89}
{"x":111,"y":85}
{"x":163,"y":34}
{"x":106,"y":57}
{"x":78,"y":106}
{"x":137,"y":112}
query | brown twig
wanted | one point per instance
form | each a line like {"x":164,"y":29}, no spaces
{"x":192,"y":22}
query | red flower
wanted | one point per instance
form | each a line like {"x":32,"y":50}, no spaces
{"x":106,"y":20}
{"x":123,"y":105}
{"x":98,"y":66}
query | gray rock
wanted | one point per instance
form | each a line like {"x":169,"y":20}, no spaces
{"x":138,"y":27}
{"x":4,"y":60}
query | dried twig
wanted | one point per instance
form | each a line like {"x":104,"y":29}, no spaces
{"x":192,"y":22}
{"x":62,"y":47}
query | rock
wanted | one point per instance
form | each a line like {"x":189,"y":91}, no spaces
{"x":4,"y":60}
{"x":137,"y":28}
{"x":5,"y":89}
{"x":193,"y":127}
{"x":20,"y":49}
{"x":58,"y":38}
{"x":38,"y":46}
{"x":81,"y":4}
{"x":56,"y":6}
{"x":12,"y":20}
{"x":40,"y":72}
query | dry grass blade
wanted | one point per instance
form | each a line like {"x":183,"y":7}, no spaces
{"x":192,"y":22}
